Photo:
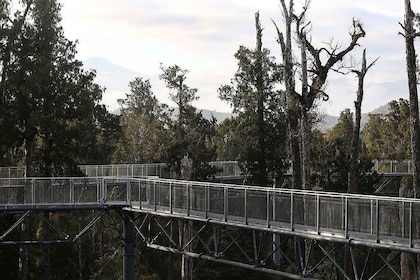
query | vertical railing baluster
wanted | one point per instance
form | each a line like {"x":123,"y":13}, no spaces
{"x":154,"y":195}
{"x":410,"y":230}
{"x":171,"y":204}
{"x":318,"y":205}
{"x":377,"y":220}
{"x":402,"y":219}
{"x":32,"y":191}
{"x":291,"y":211}
{"x":206,"y":201}
{"x":128,"y":190}
{"x":346,"y":217}
{"x":225,"y":203}
{"x":246,"y":206}
{"x":371,"y":217}
{"x":189,"y":188}
{"x":71,"y":191}
{"x":268,"y":208}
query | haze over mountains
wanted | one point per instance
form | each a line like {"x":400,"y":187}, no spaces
{"x":116,"y":78}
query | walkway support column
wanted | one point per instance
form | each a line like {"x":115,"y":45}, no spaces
{"x":129,"y":245}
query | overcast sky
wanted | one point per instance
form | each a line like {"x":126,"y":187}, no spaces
{"x":203,"y":36}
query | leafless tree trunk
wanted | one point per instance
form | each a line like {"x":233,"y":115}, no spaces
{"x":305,"y":123}
{"x":298,"y":105}
{"x":293,"y":111}
{"x":354,"y":157}
{"x":292,"y":102}
{"x":410,"y":34}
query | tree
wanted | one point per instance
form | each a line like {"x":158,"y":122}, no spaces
{"x":339,"y":144}
{"x":189,"y":141}
{"x":354,"y":156}
{"x":52,"y":103}
{"x":410,"y":34}
{"x":190,"y":134}
{"x":174,"y":78}
{"x":227,"y":140}
{"x":387,"y":136}
{"x":321,"y":62}
{"x":49,"y":105}
{"x":142,"y":122}
{"x":259,"y":108}
{"x":332,"y":156}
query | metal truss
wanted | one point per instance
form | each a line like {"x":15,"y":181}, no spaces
{"x":268,"y":252}
{"x":57,"y":232}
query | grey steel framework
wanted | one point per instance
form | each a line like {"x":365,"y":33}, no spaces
{"x":151,"y":205}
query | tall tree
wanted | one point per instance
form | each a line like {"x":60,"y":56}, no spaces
{"x":53,"y":103}
{"x":189,"y":141}
{"x":259,"y":108}
{"x":339,"y":143}
{"x":174,"y":78}
{"x":291,"y":96}
{"x":354,"y":156}
{"x":410,"y":34}
{"x":387,"y":136}
{"x":142,"y":121}
{"x":49,"y":103}
{"x":190,"y":133}
{"x":322,"y":61}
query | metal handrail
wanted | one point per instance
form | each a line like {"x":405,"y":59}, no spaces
{"x":229,"y":168}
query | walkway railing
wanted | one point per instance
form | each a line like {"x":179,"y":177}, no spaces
{"x":393,"y":166}
{"x":377,"y":221}
{"x":228,"y":169}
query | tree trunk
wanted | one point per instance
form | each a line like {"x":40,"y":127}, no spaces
{"x":406,"y":267}
{"x":262,"y":163}
{"x":305,"y":126}
{"x":186,"y":225}
{"x":23,"y":250}
{"x":45,"y":247}
{"x":412,"y":87}
{"x":354,"y":156}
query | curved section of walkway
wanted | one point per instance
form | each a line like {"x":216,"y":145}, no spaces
{"x":374,"y":221}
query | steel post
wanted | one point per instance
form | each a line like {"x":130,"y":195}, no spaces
{"x":129,"y":245}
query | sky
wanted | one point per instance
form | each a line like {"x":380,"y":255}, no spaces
{"x":203,"y":36}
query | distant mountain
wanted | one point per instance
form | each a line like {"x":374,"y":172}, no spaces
{"x":327,"y":122}
{"x":113,"y":77}
{"x":116,"y":78}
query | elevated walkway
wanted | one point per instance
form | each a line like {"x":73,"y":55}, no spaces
{"x":374,"y":221}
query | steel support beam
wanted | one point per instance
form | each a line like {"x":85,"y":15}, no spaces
{"x":129,"y":246}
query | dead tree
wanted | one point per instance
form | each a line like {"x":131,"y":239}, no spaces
{"x":300,"y":104}
{"x":292,"y":97}
{"x":410,"y":34}
{"x":408,"y":261}
{"x":354,"y":156}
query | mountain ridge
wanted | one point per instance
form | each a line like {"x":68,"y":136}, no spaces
{"x":116,"y":78}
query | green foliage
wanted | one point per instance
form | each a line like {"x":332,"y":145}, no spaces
{"x":257,"y":132}
{"x":387,"y":136}
{"x":331,"y":159}
{"x":190,"y":134}
{"x":143,"y":121}
{"x":50,"y":104}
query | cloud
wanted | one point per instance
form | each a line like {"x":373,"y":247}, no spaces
{"x":203,"y":36}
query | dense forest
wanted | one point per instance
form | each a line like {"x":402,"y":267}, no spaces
{"x":51,"y":120}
